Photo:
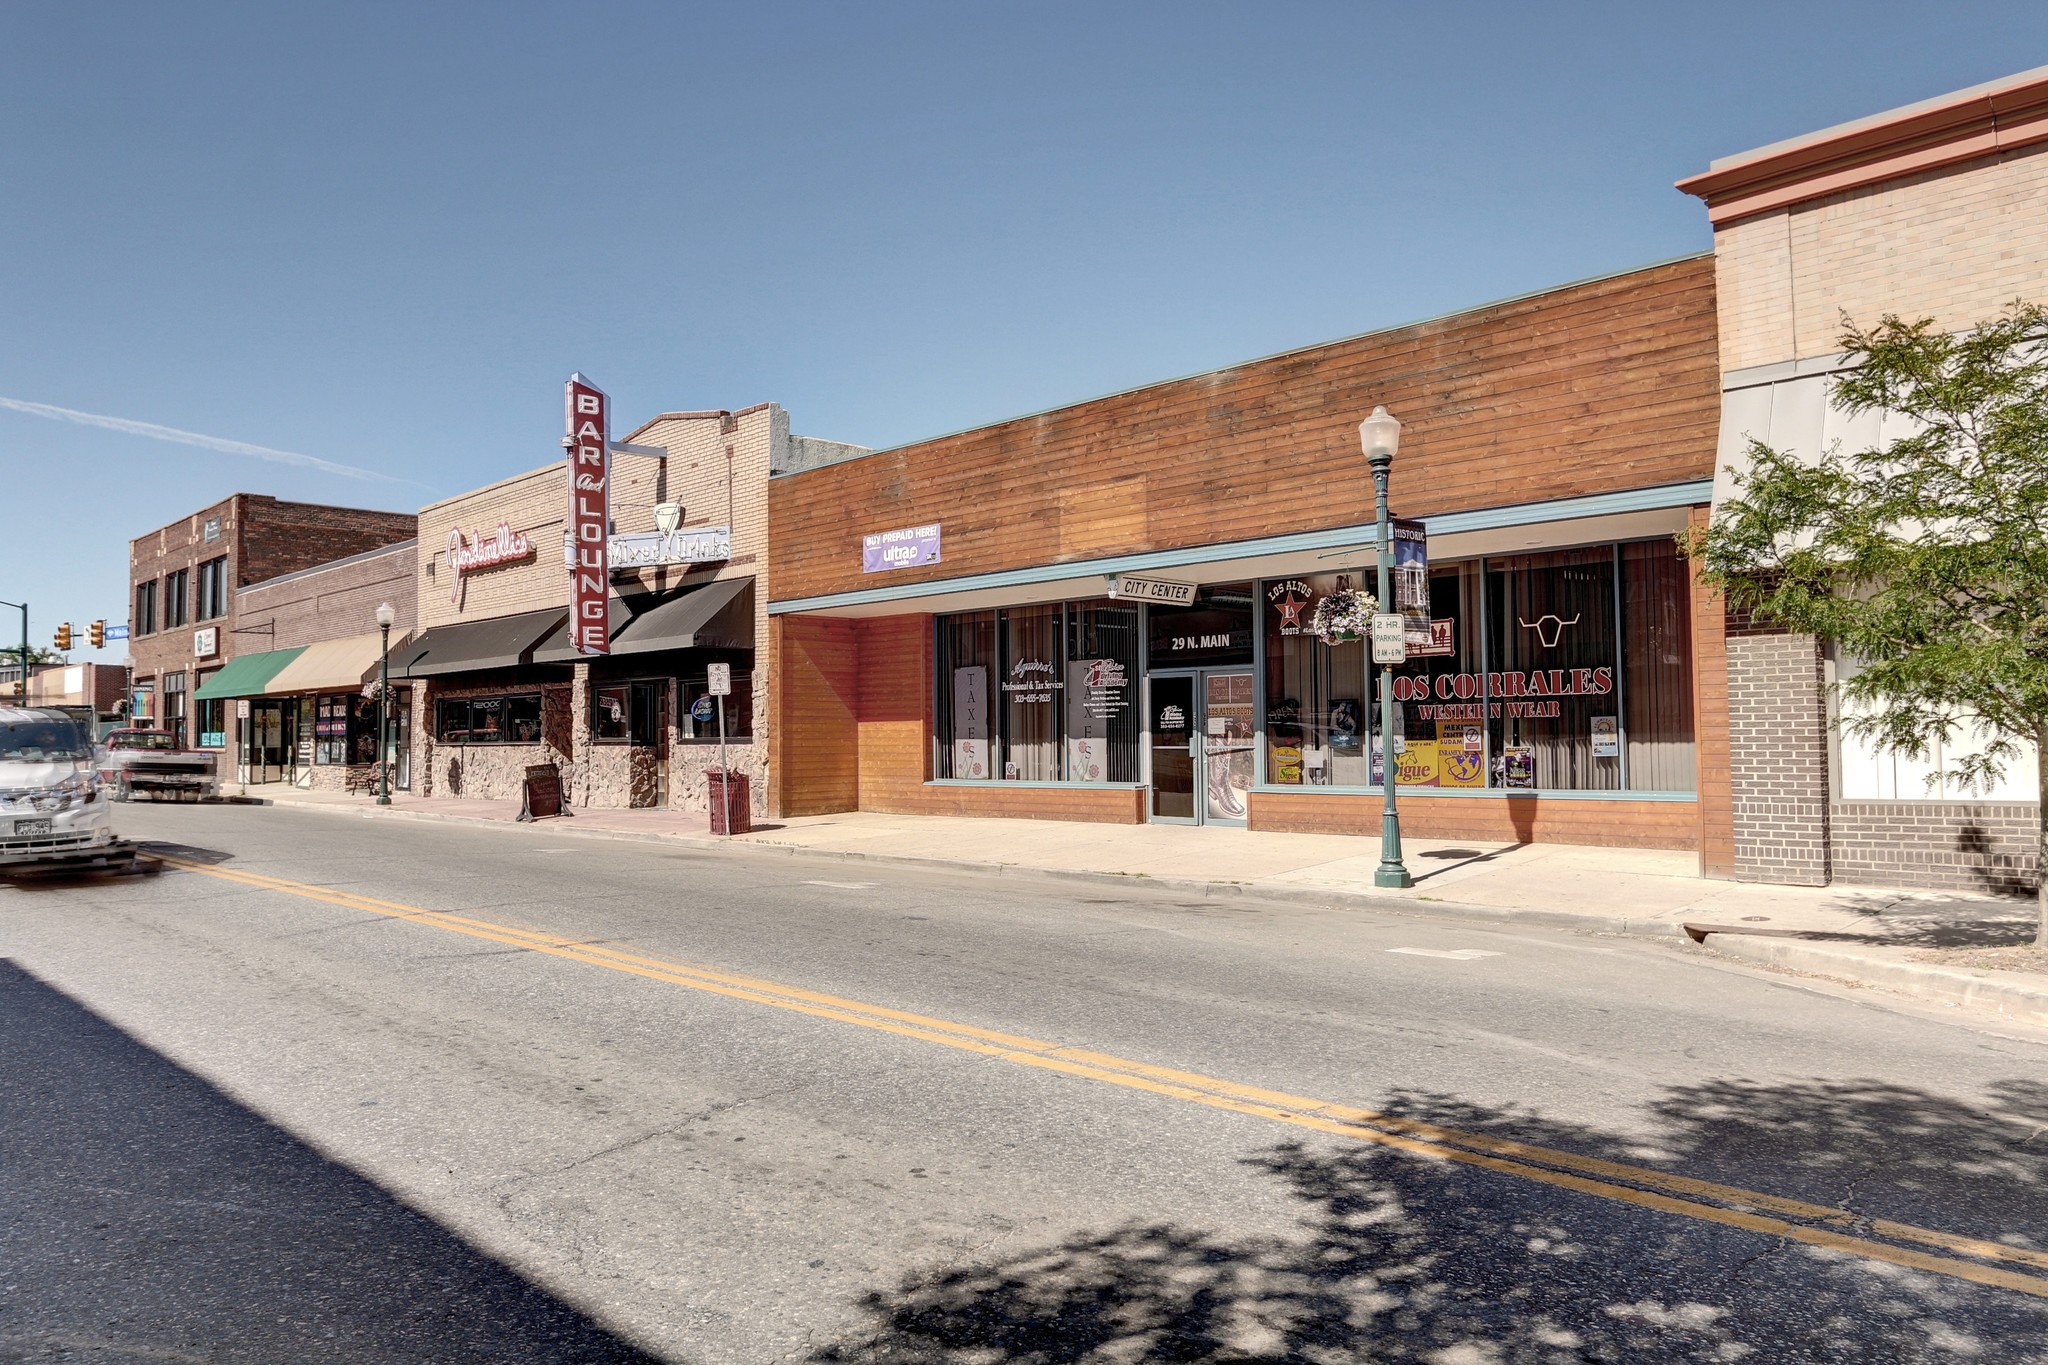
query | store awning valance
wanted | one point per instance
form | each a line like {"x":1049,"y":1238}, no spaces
{"x":500,"y":642}
{"x":333,"y":665}
{"x":715,"y":615}
{"x":246,"y":675}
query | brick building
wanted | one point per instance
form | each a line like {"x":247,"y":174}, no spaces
{"x":310,"y":712}
{"x":497,"y":686}
{"x":1937,"y":210}
{"x":99,"y":686}
{"x":955,"y":630}
{"x":184,"y":625}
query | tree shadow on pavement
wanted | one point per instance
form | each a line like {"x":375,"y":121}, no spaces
{"x":1931,"y":919}
{"x":144,"y":1215}
{"x":1405,"y":1258}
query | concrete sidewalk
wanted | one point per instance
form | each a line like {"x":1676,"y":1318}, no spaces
{"x":1893,"y":938}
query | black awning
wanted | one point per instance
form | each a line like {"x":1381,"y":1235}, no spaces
{"x":500,"y":642}
{"x":714,"y":615}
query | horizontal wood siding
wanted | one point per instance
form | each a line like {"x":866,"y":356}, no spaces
{"x":895,"y":710}
{"x":814,"y":743}
{"x":1593,"y":388}
{"x":895,"y":668}
{"x":1615,"y":823}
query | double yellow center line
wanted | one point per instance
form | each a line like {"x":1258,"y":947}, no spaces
{"x":2023,"y":1269}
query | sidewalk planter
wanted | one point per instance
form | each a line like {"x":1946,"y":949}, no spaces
{"x":731,"y":801}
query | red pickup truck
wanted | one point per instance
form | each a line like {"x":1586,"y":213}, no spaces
{"x":135,"y":760}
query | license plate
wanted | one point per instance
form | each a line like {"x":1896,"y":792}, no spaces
{"x":31,"y":826}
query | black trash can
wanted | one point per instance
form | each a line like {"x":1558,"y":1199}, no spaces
{"x":732,"y":809}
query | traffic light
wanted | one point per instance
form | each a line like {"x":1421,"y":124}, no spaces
{"x":64,"y":638}
{"x":97,"y":633}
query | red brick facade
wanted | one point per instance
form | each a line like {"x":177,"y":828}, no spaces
{"x":255,"y":537}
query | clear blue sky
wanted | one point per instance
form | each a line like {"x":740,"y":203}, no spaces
{"x":382,"y":235}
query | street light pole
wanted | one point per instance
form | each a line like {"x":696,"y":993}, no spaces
{"x":385,"y":616}
{"x":1380,"y":434}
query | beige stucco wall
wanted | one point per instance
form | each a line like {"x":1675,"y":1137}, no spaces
{"x":1956,"y":245}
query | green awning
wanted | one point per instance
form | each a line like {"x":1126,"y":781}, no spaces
{"x":246,"y":675}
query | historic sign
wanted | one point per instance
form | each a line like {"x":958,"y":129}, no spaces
{"x":587,"y":440}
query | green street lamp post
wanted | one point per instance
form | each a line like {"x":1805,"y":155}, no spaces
{"x":385,"y":616}
{"x":1380,"y":434}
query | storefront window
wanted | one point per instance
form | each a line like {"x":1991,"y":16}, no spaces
{"x":1039,"y":694}
{"x":1315,"y":692}
{"x":1656,"y":638}
{"x":627,"y":712}
{"x":213,"y":721}
{"x":1215,"y":629}
{"x":1553,"y":715}
{"x":966,"y":725}
{"x":699,"y":719}
{"x":1565,"y":671}
{"x":1031,"y":688}
{"x":488,"y":720}
{"x":344,"y":729}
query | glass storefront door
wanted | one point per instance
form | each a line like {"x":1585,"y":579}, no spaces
{"x":1171,"y":730}
{"x":1227,"y":739}
{"x":1201,"y":738}
{"x":265,"y":732}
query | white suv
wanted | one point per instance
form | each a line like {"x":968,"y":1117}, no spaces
{"x":51,"y":807}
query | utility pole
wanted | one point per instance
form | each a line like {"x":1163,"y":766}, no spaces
{"x":24,"y":647}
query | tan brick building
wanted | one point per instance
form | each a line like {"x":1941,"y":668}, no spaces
{"x":305,"y":713}
{"x":183,"y":580}
{"x":1936,"y":210}
{"x":497,"y":688}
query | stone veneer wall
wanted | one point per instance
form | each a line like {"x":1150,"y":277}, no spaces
{"x":1778,"y":756}
{"x":489,"y":772}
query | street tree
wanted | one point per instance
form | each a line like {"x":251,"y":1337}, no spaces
{"x":1926,"y":557}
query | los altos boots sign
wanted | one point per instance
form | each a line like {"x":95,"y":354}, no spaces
{"x":587,"y":439}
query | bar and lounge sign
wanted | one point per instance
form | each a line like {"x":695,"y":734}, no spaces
{"x":905,"y":548}
{"x":587,"y":437}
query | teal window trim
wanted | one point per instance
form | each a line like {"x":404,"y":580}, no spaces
{"x":1665,"y":496}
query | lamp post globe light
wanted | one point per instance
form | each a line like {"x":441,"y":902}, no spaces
{"x":385,"y":616}
{"x":1380,"y":435}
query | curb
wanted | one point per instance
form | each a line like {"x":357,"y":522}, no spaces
{"x":1660,"y":930}
{"x":2011,"y":1000}
{"x":2019,"y":1001}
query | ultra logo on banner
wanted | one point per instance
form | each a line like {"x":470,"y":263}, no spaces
{"x":588,"y":440}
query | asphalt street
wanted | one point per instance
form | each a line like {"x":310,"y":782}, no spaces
{"x":334,"y":1088}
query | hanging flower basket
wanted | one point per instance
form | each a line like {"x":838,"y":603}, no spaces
{"x":1343,"y":616}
